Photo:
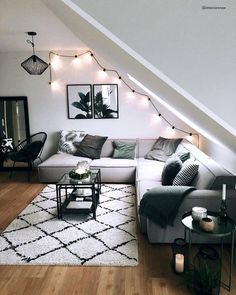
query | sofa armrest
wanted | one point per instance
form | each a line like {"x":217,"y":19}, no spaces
{"x":211,"y":194}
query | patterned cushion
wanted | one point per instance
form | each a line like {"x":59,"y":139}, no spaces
{"x":69,"y":140}
{"x":186,"y":174}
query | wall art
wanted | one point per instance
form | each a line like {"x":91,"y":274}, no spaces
{"x":79,"y":101}
{"x":105,"y":101}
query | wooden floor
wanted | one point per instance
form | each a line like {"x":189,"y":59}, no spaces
{"x":153,"y":275}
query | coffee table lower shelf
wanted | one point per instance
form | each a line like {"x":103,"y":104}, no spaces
{"x":73,"y":206}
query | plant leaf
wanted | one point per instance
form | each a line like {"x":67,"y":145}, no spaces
{"x":80,"y":116}
{"x":80,"y":106}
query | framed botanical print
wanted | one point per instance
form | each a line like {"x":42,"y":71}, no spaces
{"x":105,"y":101}
{"x":79,"y":101}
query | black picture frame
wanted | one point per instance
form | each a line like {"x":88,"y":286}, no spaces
{"x":79,"y":101}
{"x":105,"y":101}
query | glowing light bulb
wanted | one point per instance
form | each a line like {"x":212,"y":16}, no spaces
{"x":117,"y":80}
{"x":170,"y":131}
{"x":102,"y":75}
{"x":56,"y":62}
{"x":144,"y":101}
{"x":76,"y":62}
{"x":131,"y":95}
{"x":55,"y":86}
{"x":87,"y":58}
{"x":155,"y":119}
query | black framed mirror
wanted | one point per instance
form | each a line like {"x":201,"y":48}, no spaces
{"x":14,"y":127}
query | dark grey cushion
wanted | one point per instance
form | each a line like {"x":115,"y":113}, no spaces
{"x":186,"y":174}
{"x":90,"y":146}
{"x":123,"y":150}
{"x":170,"y":170}
{"x":163,"y":148}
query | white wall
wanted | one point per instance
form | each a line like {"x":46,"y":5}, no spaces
{"x":194,"y":47}
{"x":48,"y":104}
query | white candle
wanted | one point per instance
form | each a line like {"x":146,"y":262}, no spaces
{"x":179,"y":263}
{"x":224,"y":192}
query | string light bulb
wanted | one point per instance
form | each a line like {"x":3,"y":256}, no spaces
{"x":173,"y":127}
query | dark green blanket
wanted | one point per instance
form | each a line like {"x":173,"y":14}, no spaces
{"x":161,"y":204}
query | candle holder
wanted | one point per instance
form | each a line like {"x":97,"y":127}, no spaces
{"x":222,"y":212}
{"x":206,"y":275}
{"x":180,"y":254}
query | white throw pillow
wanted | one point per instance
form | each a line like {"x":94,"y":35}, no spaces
{"x":68,"y":141}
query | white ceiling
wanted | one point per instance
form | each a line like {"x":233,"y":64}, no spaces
{"x":20,"y":16}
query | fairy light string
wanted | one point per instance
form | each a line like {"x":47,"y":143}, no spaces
{"x":51,"y":53}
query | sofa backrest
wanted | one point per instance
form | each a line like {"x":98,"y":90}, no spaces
{"x":211,"y":175}
{"x":107,"y":149}
{"x":144,"y":146}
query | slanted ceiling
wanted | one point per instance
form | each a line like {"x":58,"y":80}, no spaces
{"x":114,"y":50}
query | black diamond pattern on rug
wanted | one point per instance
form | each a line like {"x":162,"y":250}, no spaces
{"x":37,"y":236}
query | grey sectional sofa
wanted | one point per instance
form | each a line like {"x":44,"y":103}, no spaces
{"x":146,"y":174}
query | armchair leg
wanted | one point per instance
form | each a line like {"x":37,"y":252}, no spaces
{"x":10,"y":176}
{"x":29,"y":170}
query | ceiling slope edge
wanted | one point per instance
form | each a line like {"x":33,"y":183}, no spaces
{"x":108,"y":45}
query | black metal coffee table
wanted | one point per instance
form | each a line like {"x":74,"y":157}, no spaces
{"x":80,"y":196}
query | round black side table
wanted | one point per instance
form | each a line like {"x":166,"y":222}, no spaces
{"x":221,"y":230}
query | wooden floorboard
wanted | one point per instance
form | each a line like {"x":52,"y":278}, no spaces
{"x":153,"y":275}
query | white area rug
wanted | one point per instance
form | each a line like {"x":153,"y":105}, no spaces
{"x":37,"y":236}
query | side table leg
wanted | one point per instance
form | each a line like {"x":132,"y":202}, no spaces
{"x":60,"y":209}
{"x":231,"y":260}
{"x":189,"y":247}
{"x":58,"y":205}
{"x":94,"y":205}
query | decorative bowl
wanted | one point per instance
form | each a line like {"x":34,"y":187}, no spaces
{"x":80,"y":176}
{"x":207,"y":224}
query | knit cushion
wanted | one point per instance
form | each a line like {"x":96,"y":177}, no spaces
{"x":186,"y":174}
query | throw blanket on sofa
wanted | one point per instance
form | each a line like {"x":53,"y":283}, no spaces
{"x":161,"y":204}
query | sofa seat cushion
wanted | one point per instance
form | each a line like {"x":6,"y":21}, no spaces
{"x":110,"y":162}
{"x":143,"y":186}
{"x":149,"y":170}
{"x":63,"y":160}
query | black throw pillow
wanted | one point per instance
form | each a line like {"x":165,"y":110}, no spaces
{"x":172,"y":166}
{"x":90,"y":146}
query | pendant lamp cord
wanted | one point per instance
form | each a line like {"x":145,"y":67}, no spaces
{"x":32,"y":43}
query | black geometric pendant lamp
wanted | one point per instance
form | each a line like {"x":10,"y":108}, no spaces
{"x":34,"y":65}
